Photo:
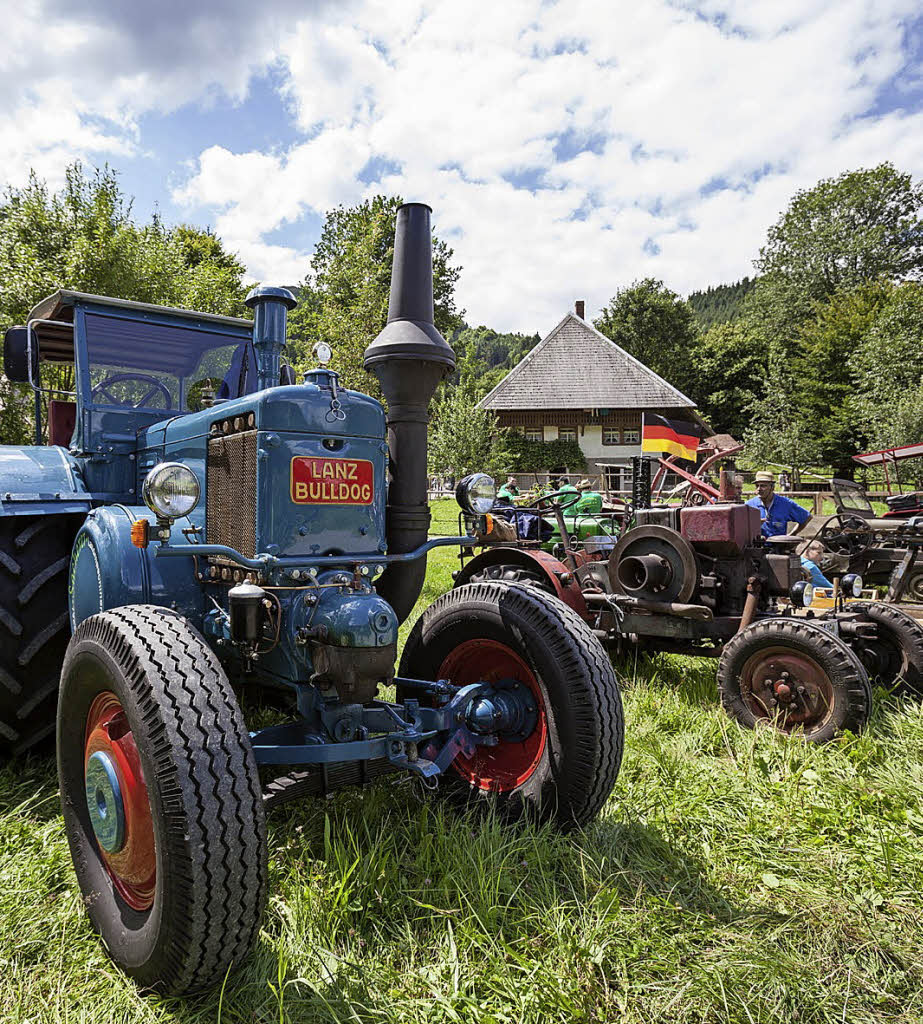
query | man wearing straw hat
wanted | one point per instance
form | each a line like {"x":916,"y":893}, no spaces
{"x":590,"y":500}
{"x":776,"y":511}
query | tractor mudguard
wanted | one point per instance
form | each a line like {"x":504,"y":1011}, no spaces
{"x":562,"y":581}
{"x":39,"y":480}
{"x":107,"y":571}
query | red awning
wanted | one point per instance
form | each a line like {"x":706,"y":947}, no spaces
{"x":906,"y":451}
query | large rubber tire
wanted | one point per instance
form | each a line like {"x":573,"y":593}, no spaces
{"x":840,"y":686}
{"x":896,"y":658}
{"x":203,"y":800}
{"x":913,"y":585}
{"x":572,"y":771}
{"x":34,"y":625}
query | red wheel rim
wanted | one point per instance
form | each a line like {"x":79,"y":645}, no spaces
{"x":787,"y":688}
{"x":509,"y":764}
{"x":132,"y":867}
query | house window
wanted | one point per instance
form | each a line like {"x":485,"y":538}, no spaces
{"x":632,"y":436}
{"x":611,"y":435}
{"x":613,"y":476}
{"x":567,"y":433}
{"x":535,"y":434}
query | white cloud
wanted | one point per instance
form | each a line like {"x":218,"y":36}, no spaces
{"x":703,"y":123}
{"x":567,"y":148}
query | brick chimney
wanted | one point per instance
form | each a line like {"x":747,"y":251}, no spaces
{"x":579,"y":309}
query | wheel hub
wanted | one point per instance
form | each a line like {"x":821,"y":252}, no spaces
{"x":787,"y":687}
{"x":510,"y":722}
{"x":104,"y":802}
{"x":117,"y":802}
{"x":509,"y":713}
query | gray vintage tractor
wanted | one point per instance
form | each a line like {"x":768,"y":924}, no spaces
{"x":198,"y":523}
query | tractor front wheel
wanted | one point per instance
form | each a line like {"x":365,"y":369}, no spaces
{"x":795,"y":677}
{"x":565,"y":768}
{"x":161,"y":798}
{"x":895,"y":657}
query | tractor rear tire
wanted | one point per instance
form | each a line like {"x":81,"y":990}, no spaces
{"x":796,"y":677}
{"x":34,"y":625}
{"x":565,"y":769}
{"x":896,"y":658}
{"x":161,"y":799}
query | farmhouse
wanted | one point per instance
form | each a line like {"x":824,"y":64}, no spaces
{"x":577,"y":385}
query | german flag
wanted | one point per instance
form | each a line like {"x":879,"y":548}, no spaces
{"x":675,"y":437}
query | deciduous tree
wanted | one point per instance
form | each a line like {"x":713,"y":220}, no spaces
{"x":84,"y":238}
{"x":345,"y":297}
{"x":656,"y":326}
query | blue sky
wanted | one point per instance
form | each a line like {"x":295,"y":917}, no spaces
{"x":567,"y":148}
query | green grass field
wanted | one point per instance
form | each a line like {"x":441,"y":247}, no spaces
{"x":733,"y":876}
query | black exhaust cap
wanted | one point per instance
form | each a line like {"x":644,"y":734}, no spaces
{"x":410,"y":332}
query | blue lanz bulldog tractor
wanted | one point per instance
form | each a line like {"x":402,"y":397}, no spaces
{"x":199,"y":524}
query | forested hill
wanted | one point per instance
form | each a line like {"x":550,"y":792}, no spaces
{"x":719,"y":304}
{"x":488,"y":355}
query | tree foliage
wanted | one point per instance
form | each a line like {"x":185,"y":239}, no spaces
{"x":834,"y":309}
{"x":847,"y":231}
{"x":719,"y":304}
{"x":486,"y":356}
{"x":344,"y":300}
{"x":84,"y":238}
{"x":655,"y":325}
{"x":887,"y":370}
{"x":777,"y":432}
{"x":731,"y":370}
{"x":542,"y":456}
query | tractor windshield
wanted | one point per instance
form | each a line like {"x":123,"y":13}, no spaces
{"x":159,"y":367}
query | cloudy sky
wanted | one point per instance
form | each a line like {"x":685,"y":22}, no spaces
{"x":567,"y":148}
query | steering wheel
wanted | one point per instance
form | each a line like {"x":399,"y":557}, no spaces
{"x":102,"y":388}
{"x":548,"y":502}
{"x":846,"y":535}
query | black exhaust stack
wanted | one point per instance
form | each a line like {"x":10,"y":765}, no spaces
{"x":409,"y":358}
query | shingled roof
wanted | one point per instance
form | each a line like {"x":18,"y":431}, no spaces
{"x":576,"y":367}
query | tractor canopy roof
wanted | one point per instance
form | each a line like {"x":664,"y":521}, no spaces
{"x":153,"y":334}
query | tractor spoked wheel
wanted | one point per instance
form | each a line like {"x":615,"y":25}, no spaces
{"x":161,"y":798}
{"x":795,"y":677}
{"x":562,"y":762}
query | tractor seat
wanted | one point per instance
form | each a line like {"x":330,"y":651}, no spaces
{"x":62,"y":418}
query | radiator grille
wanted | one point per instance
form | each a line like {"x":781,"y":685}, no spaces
{"x":230,"y":509}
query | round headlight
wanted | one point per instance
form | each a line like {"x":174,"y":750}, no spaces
{"x":476,"y":493}
{"x":852,"y":584}
{"x":802,"y":593}
{"x":171,"y":490}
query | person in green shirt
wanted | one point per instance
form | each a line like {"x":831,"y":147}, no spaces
{"x":565,"y":486}
{"x":590,"y":500}
{"x":509,"y":490}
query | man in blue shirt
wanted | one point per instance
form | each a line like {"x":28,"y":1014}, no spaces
{"x":776,"y":511}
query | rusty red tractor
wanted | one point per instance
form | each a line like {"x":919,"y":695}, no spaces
{"x":701,"y":580}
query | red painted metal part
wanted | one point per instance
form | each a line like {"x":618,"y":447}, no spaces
{"x":710,"y":493}
{"x":786,"y":687}
{"x":506,"y":766}
{"x":133,"y":869}
{"x":558,"y":575}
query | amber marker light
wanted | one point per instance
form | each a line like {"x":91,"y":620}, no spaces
{"x":140,"y":533}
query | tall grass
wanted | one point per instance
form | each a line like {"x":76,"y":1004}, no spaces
{"x":733,"y":876}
